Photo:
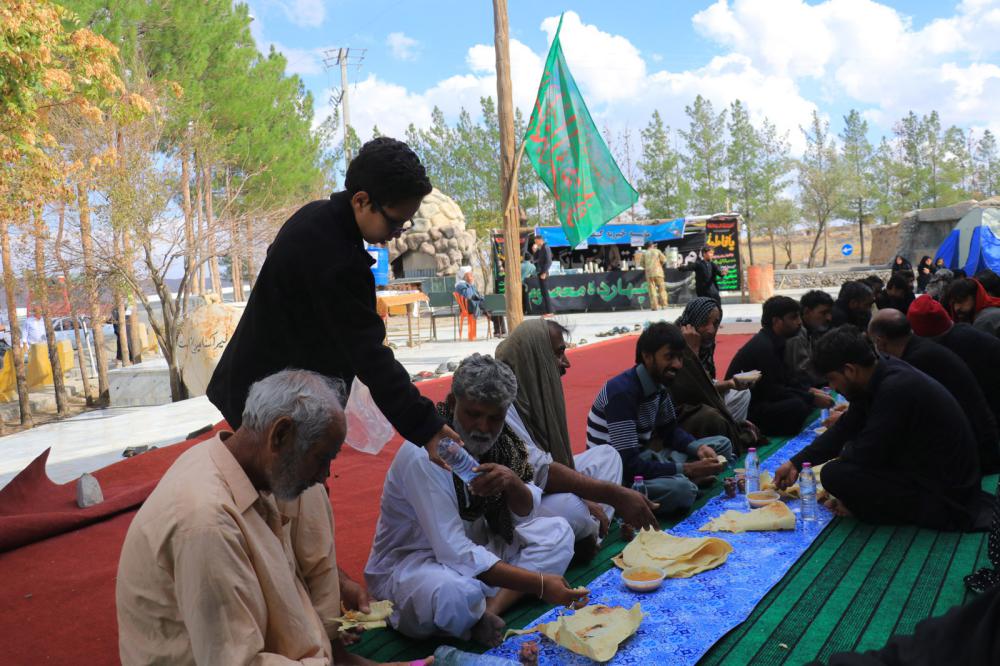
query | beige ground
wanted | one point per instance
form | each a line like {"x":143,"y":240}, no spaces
{"x":802,"y":243}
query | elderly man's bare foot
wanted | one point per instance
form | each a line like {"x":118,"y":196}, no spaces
{"x":529,"y":654}
{"x":489,"y":630}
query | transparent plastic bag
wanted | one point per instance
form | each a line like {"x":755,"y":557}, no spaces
{"x":367,"y":428}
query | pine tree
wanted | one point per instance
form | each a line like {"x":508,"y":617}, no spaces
{"x":662,"y":192}
{"x":821,"y":180}
{"x":859,"y":181}
{"x":704,"y":165}
{"x":987,"y":166}
{"x":744,"y":165}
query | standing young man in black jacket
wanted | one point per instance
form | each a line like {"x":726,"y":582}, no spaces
{"x":541,"y":256}
{"x":313,"y":304}
{"x":706,"y":272}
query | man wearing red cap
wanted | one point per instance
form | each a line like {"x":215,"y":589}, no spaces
{"x":979,"y":350}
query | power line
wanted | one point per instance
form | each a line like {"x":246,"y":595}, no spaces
{"x":344,"y":58}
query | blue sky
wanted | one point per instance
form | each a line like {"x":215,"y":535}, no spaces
{"x":783,"y":58}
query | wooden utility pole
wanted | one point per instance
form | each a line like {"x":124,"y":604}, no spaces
{"x":508,"y":166}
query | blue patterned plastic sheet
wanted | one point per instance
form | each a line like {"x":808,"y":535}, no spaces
{"x":686,"y":616}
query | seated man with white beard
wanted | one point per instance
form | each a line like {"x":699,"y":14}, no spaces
{"x":453,"y":557}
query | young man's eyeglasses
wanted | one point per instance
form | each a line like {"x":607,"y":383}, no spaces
{"x":393,"y":223}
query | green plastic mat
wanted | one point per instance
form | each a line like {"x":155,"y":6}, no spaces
{"x":856,"y":586}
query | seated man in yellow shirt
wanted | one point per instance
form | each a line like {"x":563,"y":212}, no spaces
{"x":231,"y":560}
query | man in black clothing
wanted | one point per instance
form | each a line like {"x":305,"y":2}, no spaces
{"x":817,"y":313}
{"x":779,"y":402}
{"x":313,"y":304}
{"x":541,"y":256}
{"x":898,"y":294}
{"x":905,"y":451}
{"x":979,"y":350}
{"x":853,"y":305}
{"x":706,"y":272}
{"x":891,"y":333}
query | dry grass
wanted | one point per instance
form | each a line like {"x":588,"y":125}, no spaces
{"x":802,"y":243}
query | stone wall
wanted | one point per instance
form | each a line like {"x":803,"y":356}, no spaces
{"x":885,"y":240}
{"x":823,"y":278}
{"x":438,"y":231}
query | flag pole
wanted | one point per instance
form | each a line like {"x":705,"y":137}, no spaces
{"x":508,"y":166}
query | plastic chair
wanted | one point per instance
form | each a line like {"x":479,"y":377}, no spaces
{"x":464,"y":315}
{"x":441,"y":304}
{"x":496,"y":305}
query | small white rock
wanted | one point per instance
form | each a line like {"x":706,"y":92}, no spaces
{"x":88,"y":491}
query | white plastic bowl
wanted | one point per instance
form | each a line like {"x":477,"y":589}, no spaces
{"x":643,"y":585}
{"x":759,"y":498}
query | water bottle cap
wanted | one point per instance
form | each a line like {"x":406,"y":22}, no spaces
{"x":805,"y":464}
{"x":638,"y":478}
{"x":752,"y":450}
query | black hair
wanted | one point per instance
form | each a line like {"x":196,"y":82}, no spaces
{"x":815,"y":298}
{"x":389,"y":171}
{"x":707,"y":248}
{"x":873,"y":282}
{"x":553,"y":324}
{"x":960,"y":273}
{"x":899,"y":280}
{"x":856,"y":289}
{"x":890,"y":324}
{"x":925,"y":261}
{"x":656,"y":337}
{"x":842,"y":345}
{"x":959,"y":290}
{"x":990,"y":281}
{"x":777,"y":306}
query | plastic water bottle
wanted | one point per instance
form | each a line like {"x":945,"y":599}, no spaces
{"x":753,"y":471}
{"x":461,"y":461}
{"x":807,"y":491}
{"x":447,"y":655}
{"x":639,"y":486}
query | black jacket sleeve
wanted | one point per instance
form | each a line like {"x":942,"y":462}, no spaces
{"x":357,"y":329}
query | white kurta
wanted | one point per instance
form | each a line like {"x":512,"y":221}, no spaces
{"x":425,"y":558}
{"x":600,"y":462}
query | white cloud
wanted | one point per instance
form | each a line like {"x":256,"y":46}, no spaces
{"x":858,"y":51}
{"x":868,"y":52}
{"x":305,"y":13}
{"x":401,"y":46}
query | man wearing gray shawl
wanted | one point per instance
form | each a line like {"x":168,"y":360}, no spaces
{"x":584,"y":489}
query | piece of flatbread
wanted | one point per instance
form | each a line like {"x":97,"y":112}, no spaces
{"x":380,"y":612}
{"x":722,"y":460}
{"x":593,"y":631}
{"x":680,"y":557}
{"x":774,"y":516}
{"x":767,"y":483}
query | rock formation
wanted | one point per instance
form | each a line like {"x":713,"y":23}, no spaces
{"x":439,"y":232}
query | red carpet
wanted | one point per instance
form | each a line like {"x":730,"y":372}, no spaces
{"x":58,"y":593}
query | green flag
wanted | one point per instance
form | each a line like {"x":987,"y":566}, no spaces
{"x":570,"y":155}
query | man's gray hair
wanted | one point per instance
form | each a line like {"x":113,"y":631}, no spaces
{"x":484,"y":379}
{"x":308,"y":398}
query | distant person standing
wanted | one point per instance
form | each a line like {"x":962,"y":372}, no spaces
{"x":925,"y":271}
{"x":313,"y":304}
{"x":653,"y":261}
{"x":706,"y":272}
{"x":541,"y":257}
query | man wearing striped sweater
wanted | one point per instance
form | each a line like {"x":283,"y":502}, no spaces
{"x":634,"y":413}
